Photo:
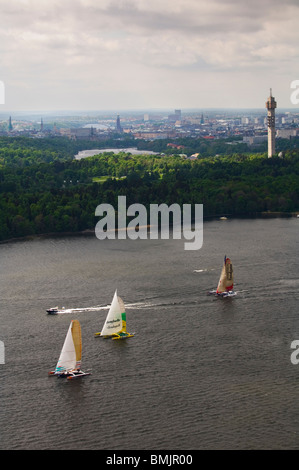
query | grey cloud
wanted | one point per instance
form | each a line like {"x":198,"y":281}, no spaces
{"x":149,"y":39}
{"x":136,"y":17}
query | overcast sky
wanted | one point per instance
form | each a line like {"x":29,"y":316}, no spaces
{"x":144,"y":54}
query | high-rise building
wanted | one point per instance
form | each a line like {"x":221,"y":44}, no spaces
{"x":271,"y":105}
{"x":9,"y":124}
{"x":177,"y":116}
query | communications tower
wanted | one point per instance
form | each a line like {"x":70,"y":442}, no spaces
{"x":271,"y":105}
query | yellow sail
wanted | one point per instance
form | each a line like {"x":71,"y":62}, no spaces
{"x":226,"y":281}
{"x":76,"y":333}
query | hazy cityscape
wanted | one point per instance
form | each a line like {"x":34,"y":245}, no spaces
{"x":249,"y":125}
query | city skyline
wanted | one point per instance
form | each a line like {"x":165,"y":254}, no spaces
{"x":144,"y":55}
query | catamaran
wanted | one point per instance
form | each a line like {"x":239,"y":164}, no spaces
{"x":226,"y":281}
{"x":69,"y":362}
{"x":115,"y":324}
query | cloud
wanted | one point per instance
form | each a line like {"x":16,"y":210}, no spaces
{"x":138,"y":41}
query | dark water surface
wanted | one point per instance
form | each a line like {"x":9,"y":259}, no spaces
{"x":201,"y":372}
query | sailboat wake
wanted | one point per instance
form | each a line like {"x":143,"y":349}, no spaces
{"x":203,"y":270}
{"x":63,"y":310}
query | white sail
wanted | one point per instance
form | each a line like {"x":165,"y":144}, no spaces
{"x":121,"y":305}
{"x":113,"y":323}
{"x":68,"y":358}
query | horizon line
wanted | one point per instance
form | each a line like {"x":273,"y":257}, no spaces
{"x":136,"y":110}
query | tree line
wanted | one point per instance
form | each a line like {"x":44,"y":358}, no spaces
{"x":43,"y":189}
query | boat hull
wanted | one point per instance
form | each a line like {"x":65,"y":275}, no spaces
{"x":230,"y":293}
{"x":76,"y":376}
{"x":223,"y":294}
{"x":116,"y":336}
{"x":69,"y":374}
{"x":128,"y":335}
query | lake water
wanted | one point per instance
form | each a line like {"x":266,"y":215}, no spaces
{"x":92,"y":152}
{"x":200,"y":373}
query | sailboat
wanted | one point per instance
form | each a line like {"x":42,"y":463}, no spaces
{"x":226,"y":281}
{"x":115,"y":324}
{"x":69,"y":362}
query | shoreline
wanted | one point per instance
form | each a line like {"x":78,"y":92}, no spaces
{"x":91,"y":232}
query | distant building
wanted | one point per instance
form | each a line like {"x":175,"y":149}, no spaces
{"x":287,"y":133}
{"x":175,"y":146}
{"x":150,"y":135}
{"x":244,"y":120}
{"x":55,"y":130}
{"x":271,"y":105}
{"x":10,"y":124}
{"x":178,"y":113}
{"x":78,"y":133}
{"x":118,"y":126}
{"x":177,"y":116}
{"x":255,"y":139}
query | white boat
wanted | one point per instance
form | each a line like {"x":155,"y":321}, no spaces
{"x":115,"y":326}
{"x":55,"y":310}
{"x":52,"y":311}
{"x":226,"y":281}
{"x":69,"y":362}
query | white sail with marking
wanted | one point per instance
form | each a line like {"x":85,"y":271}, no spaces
{"x":113,"y":323}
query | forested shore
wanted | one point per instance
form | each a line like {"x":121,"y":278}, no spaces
{"x":44,"y":190}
